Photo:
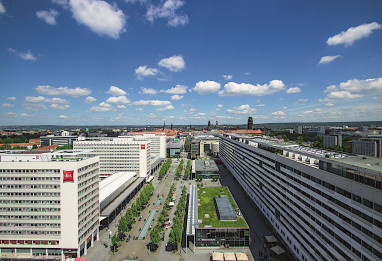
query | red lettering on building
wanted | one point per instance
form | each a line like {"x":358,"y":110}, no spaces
{"x":143,"y":146}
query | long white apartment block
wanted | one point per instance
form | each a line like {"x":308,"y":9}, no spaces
{"x":119,"y":154}
{"x":49,"y":204}
{"x":325,"y":206}
{"x":158,"y":142}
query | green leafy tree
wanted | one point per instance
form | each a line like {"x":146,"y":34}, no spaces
{"x":155,"y":235}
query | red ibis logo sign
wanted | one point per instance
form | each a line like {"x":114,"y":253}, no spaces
{"x":143,"y":146}
{"x":68,"y":175}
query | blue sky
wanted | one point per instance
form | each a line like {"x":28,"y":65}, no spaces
{"x":88,"y":62}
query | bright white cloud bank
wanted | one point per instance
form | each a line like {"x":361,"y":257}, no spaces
{"x":240,"y":89}
{"x":90,"y":99}
{"x":50,"y":90}
{"x":174,"y":63}
{"x":293,"y":90}
{"x":328,"y":59}
{"x":48,"y":16}
{"x":118,"y":100}
{"x":206,"y":87}
{"x":242,"y":109}
{"x":143,"y":71}
{"x":353,"y":33}
{"x":152,"y":102}
{"x":354,"y":89}
{"x":101,"y":17}
{"x":176,"y":97}
{"x":115,"y":91}
{"x":178,"y":89}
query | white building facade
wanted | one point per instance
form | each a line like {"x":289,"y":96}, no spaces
{"x":158,"y":142}
{"x":49,"y":205}
{"x":119,"y":155}
{"x":323,"y":208}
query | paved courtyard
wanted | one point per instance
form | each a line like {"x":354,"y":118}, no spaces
{"x":138,"y":248}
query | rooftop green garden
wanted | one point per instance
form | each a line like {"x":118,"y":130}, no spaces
{"x":206,"y":201}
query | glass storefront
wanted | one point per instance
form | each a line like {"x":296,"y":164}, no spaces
{"x":216,"y":237}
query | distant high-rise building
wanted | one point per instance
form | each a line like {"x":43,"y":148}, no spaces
{"x":332,"y":140}
{"x":171,"y":126}
{"x":250,"y":123}
{"x":164,"y":125}
{"x":209,"y":125}
{"x":216,"y":125}
{"x":298,"y":129}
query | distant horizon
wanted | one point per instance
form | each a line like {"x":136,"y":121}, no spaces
{"x":357,"y":123}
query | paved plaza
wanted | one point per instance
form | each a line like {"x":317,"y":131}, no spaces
{"x":138,"y":249}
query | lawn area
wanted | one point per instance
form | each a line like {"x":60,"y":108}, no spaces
{"x":207,"y":206}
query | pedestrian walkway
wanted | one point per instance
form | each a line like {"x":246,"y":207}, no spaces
{"x":147,"y":224}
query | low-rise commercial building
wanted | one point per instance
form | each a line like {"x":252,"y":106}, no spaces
{"x":220,"y":229}
{"x":49,"y":204}
{"x":206,"y":169}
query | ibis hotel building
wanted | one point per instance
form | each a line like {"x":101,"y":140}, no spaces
{"x":325,"y":206}
{"x":49,"y":205}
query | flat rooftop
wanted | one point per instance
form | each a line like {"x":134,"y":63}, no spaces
{"x":206,"y":165}
{"x":60,"y":155}
{"x":112,"y":183}
{"x":206,"y":205}
{"x":365,"y":162}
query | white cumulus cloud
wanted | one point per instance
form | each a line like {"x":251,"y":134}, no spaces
{"x":152,"y":102}
{"x":176,"y":97}
{"x":278,"y":113}
{"x":167,"y":10}
{"x":143,"y":71}
{"x":293,"y":90}
{"x":121,"y":107}
{"x":103,"y":106}
{"x":115,"y":91}
{"x":242,"y":109}
{"x":118,"y":100}
{"x":49,"y":90}
{"x":2,"y":8}
{"x":148,"y":91}
{"x":11,"y":98}
{"x":328,"y":59}
{"x":178,"y":89}
{"x":354,"y":88}
{"x":353,"y":33}
{"x":206,"y":87}
{"x":23,"y":55}
{"x":90,"y":99}
{"x":63,"y":116}
{"x":101,"y":17}
{"x":174,"y":63}
{"x":168,"y":107}
{"x":240,"y":89}
{"x":48,"y":16}
{"x":227,"y":77}
{"x":59,"y":106}
{"x":220,"y":106}
{"x":7,"y":105}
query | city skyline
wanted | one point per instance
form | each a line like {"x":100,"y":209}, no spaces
{"x":141,"y":62}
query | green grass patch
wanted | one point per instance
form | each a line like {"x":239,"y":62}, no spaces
{"x":207,"y":206}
